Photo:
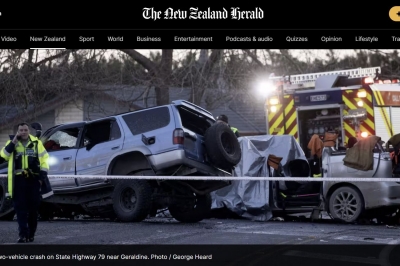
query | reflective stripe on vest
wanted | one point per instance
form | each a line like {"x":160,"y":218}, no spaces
{"x":36,"y":150}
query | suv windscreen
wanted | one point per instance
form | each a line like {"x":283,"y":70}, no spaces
{"x":194,"y":121}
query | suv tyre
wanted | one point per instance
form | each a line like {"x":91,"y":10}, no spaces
{"x":223,"y":148}
{"x":132,"y":200}
{"x":191,"y":210}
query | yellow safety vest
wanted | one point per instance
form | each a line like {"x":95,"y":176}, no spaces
{"x":234,"y":129}
{"x":33,"y":156}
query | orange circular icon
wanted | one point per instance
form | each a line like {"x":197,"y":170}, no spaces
{"x":394,"y":13}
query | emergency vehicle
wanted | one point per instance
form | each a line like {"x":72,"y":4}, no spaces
{"x":354,"y":102}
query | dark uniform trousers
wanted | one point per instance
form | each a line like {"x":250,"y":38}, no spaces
{"x":26,"y":204}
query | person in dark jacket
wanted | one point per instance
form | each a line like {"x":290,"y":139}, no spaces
{"x":27,"y":179}
{"x":224,"y":119}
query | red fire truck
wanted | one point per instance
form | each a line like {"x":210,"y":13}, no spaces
{"x":353,"y":102}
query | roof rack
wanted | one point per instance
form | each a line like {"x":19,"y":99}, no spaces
{"x":351,"y":73}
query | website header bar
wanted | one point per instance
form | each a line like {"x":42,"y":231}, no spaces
{"x":192,"y":39}
{"x":262,"y":15}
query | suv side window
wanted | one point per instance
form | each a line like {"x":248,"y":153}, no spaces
{"x":115,"y":131}
{"x":100,"y":132}
{"x":147,"y":120}
{"x":62,"y":139}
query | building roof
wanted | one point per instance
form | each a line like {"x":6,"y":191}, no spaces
{"x":11,"y":115}
{"x":244,"y":111}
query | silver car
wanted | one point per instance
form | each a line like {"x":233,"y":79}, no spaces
{"x":343,"y":200}
{"x":346,"y":200}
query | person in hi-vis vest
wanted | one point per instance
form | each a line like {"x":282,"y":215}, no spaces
{"x":27,"y":179}
{"x":224,"y":119}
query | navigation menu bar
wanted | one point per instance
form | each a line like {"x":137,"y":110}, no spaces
{"x":192,"y":39}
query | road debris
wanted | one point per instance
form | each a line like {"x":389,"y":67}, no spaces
{"x":391,"y":227}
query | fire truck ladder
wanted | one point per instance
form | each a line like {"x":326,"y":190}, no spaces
{"x":302,"y":81}
{"x":351,"y":73}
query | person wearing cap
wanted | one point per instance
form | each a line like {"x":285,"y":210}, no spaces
{"x":224,"y":119}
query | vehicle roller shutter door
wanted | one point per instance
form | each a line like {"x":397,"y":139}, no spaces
{"x":395,"y":117}
{"x":382,"y":123}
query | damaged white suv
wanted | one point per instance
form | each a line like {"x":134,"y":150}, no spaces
{"x":179,"y":139}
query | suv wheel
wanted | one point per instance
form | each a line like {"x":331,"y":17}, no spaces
{"x":132,"y":200}
{"x":223,"y":148}
{"x":346,"y":204}
{"x":191,"y":210}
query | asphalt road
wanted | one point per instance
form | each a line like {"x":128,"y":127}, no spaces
{"x":209,"y":231}
{"x":294,"y":239}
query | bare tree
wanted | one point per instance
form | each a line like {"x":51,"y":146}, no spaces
{"x":159,"y":72}
{"x":31,"y":77}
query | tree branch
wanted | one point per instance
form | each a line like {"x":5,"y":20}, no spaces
{"x":290,"y":59}
{"x":47,"y":59}
{"x":253,"y":57}
{"x":141,"y":59}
